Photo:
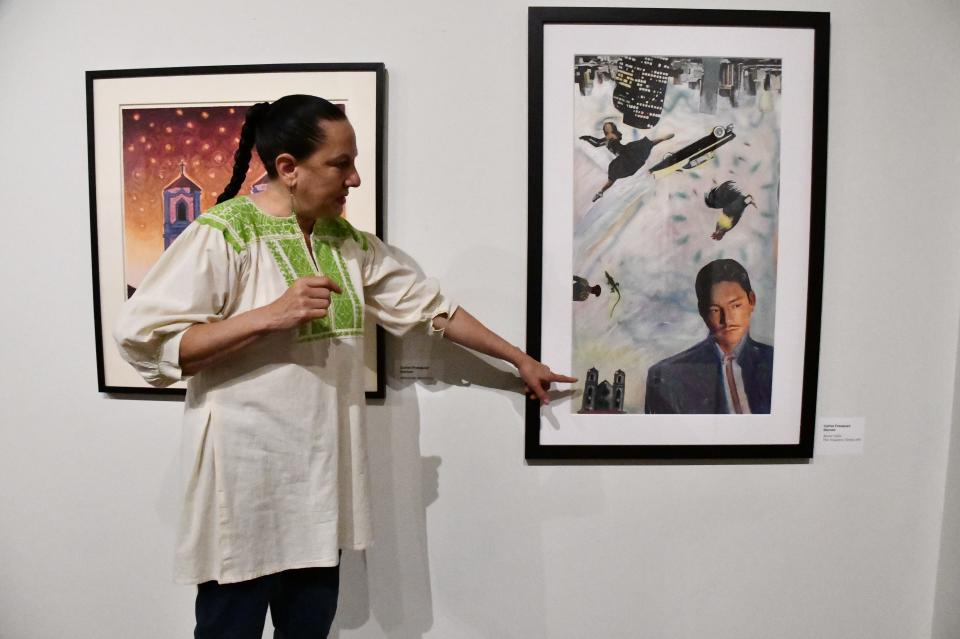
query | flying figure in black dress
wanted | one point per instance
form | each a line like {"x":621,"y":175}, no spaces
{"x":629,"y":157}
{"x":731,"y":199}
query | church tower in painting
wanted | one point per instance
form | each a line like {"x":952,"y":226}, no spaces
{"x":181,"y":206}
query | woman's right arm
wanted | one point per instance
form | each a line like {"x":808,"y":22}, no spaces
{"x":181,"y":318}
{"x":204,"y":344}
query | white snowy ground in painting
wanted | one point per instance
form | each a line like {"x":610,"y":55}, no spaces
{"x":653,"y":235}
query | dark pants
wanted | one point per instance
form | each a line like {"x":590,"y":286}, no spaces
{"x":302,"y":605}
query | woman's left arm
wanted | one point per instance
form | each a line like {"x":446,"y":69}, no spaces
{"x":668,"y":136}
{"x":593,"y":141}
{"x":466,"y":330}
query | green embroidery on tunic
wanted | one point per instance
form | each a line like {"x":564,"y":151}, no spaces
{"x":242,"y":224}
{"x":348,"y":289}
{"x":338,"y":229}
{"x":285,"y":269}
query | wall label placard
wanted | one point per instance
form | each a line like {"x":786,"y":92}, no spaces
{"x":840,"y":435}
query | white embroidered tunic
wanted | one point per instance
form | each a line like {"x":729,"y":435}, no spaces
{"x":273,"y":457}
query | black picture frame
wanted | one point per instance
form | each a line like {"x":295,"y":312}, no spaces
{"x":565,"y":39}
{"x":360,"y":87}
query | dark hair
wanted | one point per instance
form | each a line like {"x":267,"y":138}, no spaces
{"x":614,"y":128}
{"x":289,"y":125}
{"x":719,"y":271}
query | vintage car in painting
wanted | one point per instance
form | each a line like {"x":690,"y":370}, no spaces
{"x":695,"y":153}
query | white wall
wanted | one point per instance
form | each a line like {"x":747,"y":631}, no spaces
{"x":946,"y":619}
{"x":473,"y":542}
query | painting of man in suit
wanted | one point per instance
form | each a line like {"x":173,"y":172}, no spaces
{"x":726,"y":373}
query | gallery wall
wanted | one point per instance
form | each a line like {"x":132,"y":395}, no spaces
{"x":471,"y":541}
{"x":946,"y":618}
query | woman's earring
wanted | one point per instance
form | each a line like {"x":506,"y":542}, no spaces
{"x":293,"y":203}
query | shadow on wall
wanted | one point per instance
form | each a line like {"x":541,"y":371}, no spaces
{"x":390,"y":582}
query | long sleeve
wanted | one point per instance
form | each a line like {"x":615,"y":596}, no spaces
{"x":193,"y":282}
{"x":395,"y":293}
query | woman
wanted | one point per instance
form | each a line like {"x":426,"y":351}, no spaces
{"x":629,"y":157}
{"x":260,"y":303}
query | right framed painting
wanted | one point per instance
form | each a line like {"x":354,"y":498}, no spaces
{"x":676,"y":205}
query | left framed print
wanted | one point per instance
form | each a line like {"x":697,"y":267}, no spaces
{"x":160,"y":145}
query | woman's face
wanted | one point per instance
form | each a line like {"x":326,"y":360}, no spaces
{"x":607,"y":129}
{"x":324,"y":178}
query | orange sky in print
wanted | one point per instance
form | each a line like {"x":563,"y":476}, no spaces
{"x":155,"y":142}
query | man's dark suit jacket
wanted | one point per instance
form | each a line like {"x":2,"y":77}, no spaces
{"x":691,"y":382}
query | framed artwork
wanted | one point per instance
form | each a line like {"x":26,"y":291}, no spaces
{"x":160,"y":150}
{"x":676,"y":198}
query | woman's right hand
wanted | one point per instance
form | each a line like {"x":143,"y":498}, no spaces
{"x":307,"y":299}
